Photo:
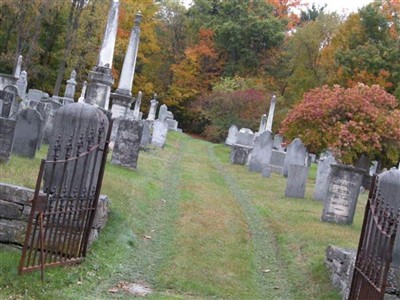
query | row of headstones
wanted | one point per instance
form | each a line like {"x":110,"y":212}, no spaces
{"x":337,"y":185}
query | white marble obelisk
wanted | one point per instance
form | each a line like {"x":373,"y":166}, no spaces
{"x":122,"y":98}
{"x":101,"y":79}
{"x":17,"y":70}
{"x":270,"y":119}
{"x":128,"y":68}
{"x":106,"y":54}
{"x":263,"y":122}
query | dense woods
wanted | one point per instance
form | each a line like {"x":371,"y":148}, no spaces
{"x":216,"y":62}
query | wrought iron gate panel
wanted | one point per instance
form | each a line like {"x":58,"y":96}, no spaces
{"x":63,"y":212}
{"x":375,"y":248}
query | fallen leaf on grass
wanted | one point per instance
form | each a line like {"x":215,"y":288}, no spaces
{"x":147,"y":237}
{"x":113,"y":290}
{"x":266,"y":270}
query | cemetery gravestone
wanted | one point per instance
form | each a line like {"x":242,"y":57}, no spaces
{"x":266,"y":172}
{"x":162,"y":113}
{"x":278,"y":140}
{"x":127,"y":143}
{"x":296,"y":181}
{"x":276,"y":162}
{"x":7,"y":100}
{"x":241,"y":150}
{"x":153,"y":109}
{"x":7,"y":129}
{"x":296,"y":155}
{"x":76,"y":124}
{"x":344,"y":185}
{"x":323,"y":174}
{"x":160,"y":131}
{"x":27,"y":132}
{"x":261,"y":153}
{"x":146,"y":134}
{"x":231,"y":138}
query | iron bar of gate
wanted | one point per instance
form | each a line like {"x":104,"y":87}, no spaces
{"x":60,"y":222}
{"x":99,"y":183}
{"x":375,"y":248}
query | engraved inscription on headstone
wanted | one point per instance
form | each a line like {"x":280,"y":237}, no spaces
{"x":343,"y":190}
{"x":7,"y":129}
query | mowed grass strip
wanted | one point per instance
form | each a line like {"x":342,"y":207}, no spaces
{"x":214,"y":251}
{"x":301,"y":238}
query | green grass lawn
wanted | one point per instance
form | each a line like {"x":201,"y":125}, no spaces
{"x":190,"y":225}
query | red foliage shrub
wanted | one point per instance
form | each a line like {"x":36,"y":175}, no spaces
{"x":350,"y":121}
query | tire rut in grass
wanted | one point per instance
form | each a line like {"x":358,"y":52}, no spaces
{"x":271,"y":280}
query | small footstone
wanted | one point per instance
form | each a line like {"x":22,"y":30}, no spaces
{"x":266,"y":172}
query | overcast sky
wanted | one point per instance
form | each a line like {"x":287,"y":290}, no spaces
{"x":340,"y":6}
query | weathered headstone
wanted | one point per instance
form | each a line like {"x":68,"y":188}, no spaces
{"x":127,"y":143}
{"x":27,"y":132}
{"x":241,"y":150}
{"x":373,"y":169}
{"x":7,"y":99}
{"x":7,"y":129}
{"x":296,"y":155}
{"x":83,"y":92}
{"x":231,"y":138}
{"x":323,"y":174}
{"x":160,"y":131}
{"x":261,"y":153}
{"x":44,"y":109}
{"x":344,"y":185}
{"x":363,"y":162}
{"x":276,"y":162}
{"x":266,"y":172}
{"x":296,"y":181}
{"x":75,"y":124}
{"x":146,"y":134}
{"x":49,"y":120}
{"x":245,"y":137}
{"x":278,"y":140}
{"x":240,"y":154}
{"x":36,"y":95}
{"x":162,"y":113}
{"x":153,"y":108}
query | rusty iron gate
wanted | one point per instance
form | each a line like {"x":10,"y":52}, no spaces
{"x":63,"y":212}
{"x":375,"y":248}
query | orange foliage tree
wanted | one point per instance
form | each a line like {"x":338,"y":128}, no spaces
{"x":349,"y":121}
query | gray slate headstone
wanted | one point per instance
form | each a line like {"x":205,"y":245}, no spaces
{"x":146,"y":134}
{"x":296,"y":181}
{"x":127,"y":143}
{"x":296,"y":155}
{"x":231,"y":138}
{"x":172,"y":124}
{"x":278,"y":140}
{"x":240,"y":154}
{"x":266,"y":172}
{"x":344,"y":186}
{"x":323,"y":174}
{"x":7,"y":129}
{"x":261,"y":153}
{"x":245,"y":137}
{"x":160,"y":131}
{"x":27,"y":132}
{"x":7,"y":99}
{"x":36,"y":95}
{"x":162,"y":113}
{"x":276,"y":162}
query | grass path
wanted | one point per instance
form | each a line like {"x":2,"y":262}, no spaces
{"x":191,"y":225}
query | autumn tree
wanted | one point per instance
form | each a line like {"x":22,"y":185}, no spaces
{"x":349,"y":121}
{"x":220,"y":110}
